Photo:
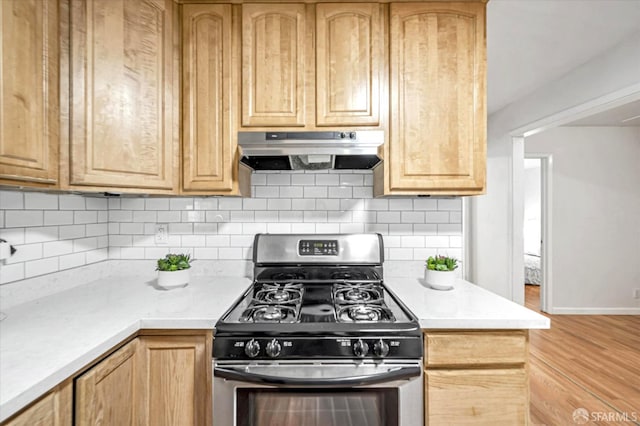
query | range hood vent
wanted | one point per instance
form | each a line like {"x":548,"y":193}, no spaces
{"x":310,"y":150}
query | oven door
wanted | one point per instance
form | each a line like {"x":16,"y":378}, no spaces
{"x":333,"y":393}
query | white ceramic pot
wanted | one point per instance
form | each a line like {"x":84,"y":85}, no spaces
{"x":440,"y":280}
{"x":173,"y":279}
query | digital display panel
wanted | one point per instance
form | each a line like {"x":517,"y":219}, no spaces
{"x":318,"y":248}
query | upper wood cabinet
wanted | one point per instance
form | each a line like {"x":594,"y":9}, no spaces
{"x":106,"y":394}
{"x":29,"y":99}
{"x":274,"y":63}
{"x":349,"y":54}
{"x":123,"y":124}
{"x":437,"y":140}
{"x":208,"y":145}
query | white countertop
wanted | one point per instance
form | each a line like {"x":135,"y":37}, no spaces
{"x":44,"y":342}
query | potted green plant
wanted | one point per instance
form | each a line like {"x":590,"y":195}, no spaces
{"x":440,"y":272}
{"x":173,"y":270}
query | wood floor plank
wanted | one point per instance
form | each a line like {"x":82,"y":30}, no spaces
{"x":592,"y":360}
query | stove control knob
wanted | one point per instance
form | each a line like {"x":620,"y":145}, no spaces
{"x":252,"y":348}
{"x":360,"y":348}
{"x":380,"y":349}
{"x":273,"y":348}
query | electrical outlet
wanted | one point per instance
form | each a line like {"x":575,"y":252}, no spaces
{"x":162,"y":234}
{"x":636,"y":293}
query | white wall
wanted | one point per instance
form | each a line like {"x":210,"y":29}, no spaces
{"x":532,"y":221}
{"x":596,"y":216}
{"x":495,"y":218}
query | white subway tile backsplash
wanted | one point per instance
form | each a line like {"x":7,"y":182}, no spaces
{"x":47,"y":228}
{"x":315,"y":192}
{"x":278,"y":204}
{"x":88,"y":216}
{"x":120,"y":215}
{"x":181,"y":204}
{"x":303,"y":204}
{"x":401,"y":204}
{"x":290,"y":216}
{"x":23,"y":218}
{"x":72,"y":260}
{"x":40,"y":267}
{"x":72,"y":231}
{"x":291,"y":191}
{"x":9,"y":273}
{"x":266,"y":191}
{"x":58,"y":217}
{"x":14,"y":236}
{"x":205,"y":204}
{"x":437,"y":217}
{"x":156,"y":204}
{"x":40,"y":234}
{"x":450,"y":204}
{"x":40,"y":201}
{"x":278,"y":180}
{"x":131,"y":204}
{"x":11,"y":200}
{"x":437,"y":241}
{"x":425,"y":204}
{"x":302,"y":179}
{"x":94,"y":203}
{"x":254,"y":204}
{"x":71,"y":202}
{"x":193,"y":216}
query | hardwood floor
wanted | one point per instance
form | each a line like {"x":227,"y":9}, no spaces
{"x":584,"y":361}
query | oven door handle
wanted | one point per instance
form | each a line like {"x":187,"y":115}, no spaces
{"x":240,"y":374}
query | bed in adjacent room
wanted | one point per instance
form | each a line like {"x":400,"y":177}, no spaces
{"x":532,"y":270}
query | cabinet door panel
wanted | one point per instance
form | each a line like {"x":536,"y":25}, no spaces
{"x":53,"y":409}
{"x":273,"y":66}
{"x":106,"y":395}
{"x":349,"y":43}
{"x":29,"y":100}
{"x":122,"y":69}
{"x":476,"y":397}
{"x":176,"y":380}
{"x":438,"y":116}
{"x":208,"y":149}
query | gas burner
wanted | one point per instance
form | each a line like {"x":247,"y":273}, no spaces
{"x":279,"y":293}
{"x":270,"y":313}
{"x":365,"y":313}
{"x":355,"y":292}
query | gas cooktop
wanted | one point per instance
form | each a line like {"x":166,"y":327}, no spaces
{"x":317,"y":296}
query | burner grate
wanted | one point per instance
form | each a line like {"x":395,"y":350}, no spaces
{"x":270,"y":313}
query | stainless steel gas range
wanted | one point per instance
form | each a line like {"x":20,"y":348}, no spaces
{"x":318,"y":339}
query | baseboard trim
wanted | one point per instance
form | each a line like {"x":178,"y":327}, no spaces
{"x":595,"y":311}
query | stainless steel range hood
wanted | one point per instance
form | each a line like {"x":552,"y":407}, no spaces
{"x":310,"y":150}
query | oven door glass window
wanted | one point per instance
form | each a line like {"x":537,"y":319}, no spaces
{"x":331,"y":407}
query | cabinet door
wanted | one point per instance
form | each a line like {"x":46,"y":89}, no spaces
{"x":53,"y":409}
{"x":29,"y":100}
{"x":273,"y":64}
{"x":106,"y":394}
{"x":476,"y":397}
{"x":438,"y":114}
{"x":176,"y":380}
{"x":349,"y":54}
{"x":122,"y":103}
{"x":208,"y":146}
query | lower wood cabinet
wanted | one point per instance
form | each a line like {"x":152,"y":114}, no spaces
{"x":153,"y":380}
{"x":175,"y":380}
{"x":476,"y":377}
{"x":53,"y":409}
{"x":106,"y":394}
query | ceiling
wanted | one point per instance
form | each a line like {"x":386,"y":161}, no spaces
{"x":627,"y":115}
{"x":533,"y":42}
